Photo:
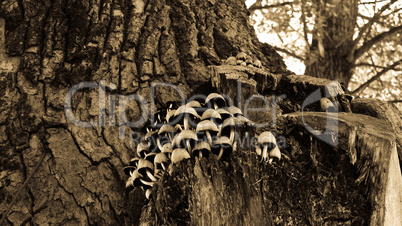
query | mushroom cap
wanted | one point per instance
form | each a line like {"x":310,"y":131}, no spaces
{"x":128,"y":170}
{"x":327,"y":105}
{"x":185,"y":134}
{"x":234,"y":110}
{"x":217,"y":98}
{"x":258,"y":150}
{"x":134,"y":179}
{"x":210,"y":113}
{"x":142,"y":148}
{"x":160,"y":157}
{"x":148,"y":193}
{"x":150,"y":156}
{"x":150,"y":134}
{"x":257,"y":63}
{"x":185,"y":109}
{"x":275,"y":153}
{"x":240,"y":119}
{"x":134,"y":162}
{"x":167,"y":129}
{"x":179,"y":154}
{"x":203,"y":147}
{"x":170,"y":115}
{"x":241,"y":56}
{"x":224,"y":113}
{"x":193,"y":104}
{"x":206,"y":125}
{"x":222,"y":141}
{"x":267,"y":138}
{"x":167,"y":148}
{"x":228,"y":122}
{"x":143,"y":165}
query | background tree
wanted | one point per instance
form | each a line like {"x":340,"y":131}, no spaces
{"x":355,"y":42}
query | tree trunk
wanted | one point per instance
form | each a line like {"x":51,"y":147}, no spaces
{"x":74,"y":175}
{"x":329,"y":55}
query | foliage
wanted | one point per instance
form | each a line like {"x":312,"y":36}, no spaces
{"x":291,"y":25}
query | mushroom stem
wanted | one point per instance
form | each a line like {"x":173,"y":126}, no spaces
{"x":209,"y":137}
{"x":163,"y":166}
{"x":265,"y":153}
{"x":188,"y":146}
{"x":220,"y":153}
{"x":215,"y":105}
{"x":151,"y":176}
{"x":158,"y":142}
{"x":185,"y":122}
{"x":148,"y":183}
{"x":232,"y":134}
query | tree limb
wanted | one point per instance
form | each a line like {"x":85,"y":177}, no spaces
{"x":370,"y":65}
{"x":395,"y":101}
{"x":368,"y":44}
{"x":259,"y":7}
{"x":377,"y":76}
{"x":371,"y":22}
{"x":288,"y":53}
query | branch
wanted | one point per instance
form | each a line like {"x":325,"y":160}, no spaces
{"x":259,"y":7}
{"x":377,"y":76}
{"x":371,"y":22}
{"x":288,"y":53}
{"x":368,"y":44}
{"x":371,"y":65}
{"x":395,"y":101}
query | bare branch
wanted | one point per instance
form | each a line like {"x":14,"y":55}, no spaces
{"x":395,"y":101}
{"x":371,"y":22}
{"x":368,"y":44}
{"x":377,"y":76}
{"x":303,"y":17}
{"x":260,"y":7}
{"x":288,"y":53}
{"x":371,"y":65}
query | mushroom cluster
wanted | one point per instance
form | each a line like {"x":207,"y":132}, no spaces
{"x":242,"y":59}
{"x":193,"y":129}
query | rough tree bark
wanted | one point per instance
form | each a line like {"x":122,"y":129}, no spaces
{"x":333,"y":44}
{"x":51,"y":46}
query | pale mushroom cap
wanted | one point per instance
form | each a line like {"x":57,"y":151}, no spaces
{"x":148,"y":193}
{"x":202,"y":145}
{"x":184,"y":109}
{"x":128,"y":170}
{"x":234,"y":110}
{"x":258,"y":150}
{"x":228,"y":122}
{"x":179,"y":154}
{"x":240,"y":119}
{"x":221,"y":141}
{"x":150,"y":156}
{"x":150,"y":134}
{"x":145,"y":164}
{"x":266,"y":138}
{"x":160,"y":158}
{"x":142,"y":147}
{"x":275,"y":153}
{"x":241,"y":56}
{"x":210,"y":113}
{"x":185,"y":134}
{"x":214,"y":96}
{"x":326,"y":104}
{"x":167,"y":129}
{"x":167,"y":148}
{"x":134,"y":162}
{"x":206,"y":125}
{"x":170,"y":114}
{"x":224,"y":113}
{"x":193,"y":104}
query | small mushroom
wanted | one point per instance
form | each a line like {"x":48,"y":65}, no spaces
{"x":231,"y":61}
{"x":148,"y":193}
{"x":165,"y":135}
{"x":202,"y":149}
{"x":150,"y":157}
{"x":184,"y":114}
{"x":136,"y":180}
{"x":327,"y":105}
{"x":170,"y":118}
{"x":146,"y":168}
{"x":211,"y":114}
{"x":249,"y":61}
{"x":128,"y":170}
{"x":274,"y":153}
{"x":179,"y":154}
{"x":185,"y":139}
{"x":208,"y":128}
{"x":224,"y":114}
{"x":244,"y":64}
{"x":235,"y":111}
{"x":193,"y":104}
{"x":216,"y":100}
{"x":142,"y":149}
{"x":239,"y":62}
{"x":228,"y":129}
{"x":257,"y":63}
{"x":241,"y":56}
{"x":266,"y":141}
{"x":161,"y":162}
{"x":151,"y":138}
{"x":222,"y":147}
